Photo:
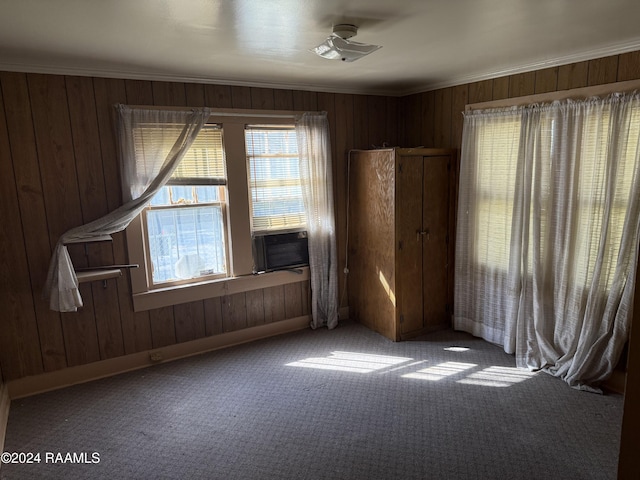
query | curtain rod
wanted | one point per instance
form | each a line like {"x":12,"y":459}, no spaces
{"x":581,"y":92}
{"x":233,"y":112}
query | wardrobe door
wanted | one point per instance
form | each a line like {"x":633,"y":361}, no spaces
{"x":435,"y":223}
{"x":409,"y":248}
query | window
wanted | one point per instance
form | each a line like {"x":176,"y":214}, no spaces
{"x":239,"y":179}
{"x":274,"y":179}
{"x":497,"y":147}
{"x":186,"y":220}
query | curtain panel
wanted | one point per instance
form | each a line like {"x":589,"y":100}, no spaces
{"x":142,"y":176}
{"x":314,"y":149}
{"x":548,"y":231}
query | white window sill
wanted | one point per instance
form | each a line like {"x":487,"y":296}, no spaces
{"x":164,"y":297}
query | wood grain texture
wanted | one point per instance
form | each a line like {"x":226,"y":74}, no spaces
{"x":480,"y":92}
{"x":283,"y":99}
{"x":169,"y":94}
{"x":603,"y":70}
{"x":442,"y":120}
{"x":500,"y":88}
{"x":240,"y":97}
{"x":93,"y":198}
{"x":459,"y":98}
{"x":408,"y":252}
{"x":361,"y":122}
{"x":139,"y":92}
{"x":522,"y":84}
{"x":262,"y":98}
{"x":19,"y":344}
{"x":17,"y":106}
{"x":136,"y":328}
{"x":574,"y":75}
{"x":189,"y":321}
{"x":213,"y":316}
{"x":194,"y":94}
{"x":163,"y":330}
{"x":425,"y":123}
{"x":546,"y":80}
{"x":304,"y":101}
{"x":234,"y":312}
{"x":274,"y":304}
{"x":293,"y":300}
{"x":218,"y":96}
{"x":372,"y":240}
{"x":435,"y":254}
{"x":255,"y":307}
{"x":628,"y":66}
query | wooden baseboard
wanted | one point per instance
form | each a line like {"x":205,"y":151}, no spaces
{"x":32,"y":385}
{"x":5,"y":403}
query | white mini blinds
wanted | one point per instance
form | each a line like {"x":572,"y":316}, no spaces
{"x":274,"y":179}
{"x":202,"y":164}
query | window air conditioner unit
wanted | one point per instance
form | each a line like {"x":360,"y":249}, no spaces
{"x":280,"y":251}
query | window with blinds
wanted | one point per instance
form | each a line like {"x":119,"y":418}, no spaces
{"x":497,"y":147}
{"x":275,"y":192}
{"x":186,"y":220}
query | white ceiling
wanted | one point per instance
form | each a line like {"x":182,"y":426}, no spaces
{"x":426,"y":43}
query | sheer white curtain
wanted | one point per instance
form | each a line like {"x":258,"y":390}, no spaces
{"x":548,"y":231}
{"x":141,"y":179}
{"x":314,"y":148}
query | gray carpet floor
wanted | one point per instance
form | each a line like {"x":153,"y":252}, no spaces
{"x":341,"y":404}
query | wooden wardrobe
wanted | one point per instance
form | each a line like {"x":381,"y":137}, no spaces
{"x":401,"y":216}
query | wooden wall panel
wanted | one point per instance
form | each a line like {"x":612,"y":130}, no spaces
{"x":426,"y":122}
{"x":480,"y":91}
{"x":361,"y":122}
{"x":442,"y":118}
{"x":574,"y":75}
{"x":522,"y":84}
{"x":292,"y":300}
{"x":546,"y":80}
{"x":255,"y":307}
{"x":136,"y":329}
{"x":262,"y":98}
{"x":189,"y":321}
{"x":194,"y":95}
{"x":17,"y":106}
{"x":234,"y":312}
{"x":93,"y":199}
{"x":500,"y":88}
{"x":283,"y":99}
{"x":213,"y":316}
{"x":169,"y":94}
{"x":628,"y":66}
{"x":274,"y":304}
{"x":63,"y":150}
{"x":218,"y":96}
{"x":163,"y":329}
{"x":603,"y":70}
{"x":51,"y":120}
{"x":240,"y":97}
{"x":19,"y":345}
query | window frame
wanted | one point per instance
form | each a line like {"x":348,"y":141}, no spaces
{"x":239,"y":247}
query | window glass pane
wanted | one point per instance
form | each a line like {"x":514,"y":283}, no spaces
{"x":186,"y":242}
{"x":274,"y":179}
{"x":186,"y":195}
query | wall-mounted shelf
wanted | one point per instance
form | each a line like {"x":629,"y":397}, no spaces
{"x":104,"y":272}
{"x":91,"y":274}
{"x":94,"y":275}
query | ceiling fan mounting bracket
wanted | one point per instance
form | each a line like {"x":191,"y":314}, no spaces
{"x":345,"y":30}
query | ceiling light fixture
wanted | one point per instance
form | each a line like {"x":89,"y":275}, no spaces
{"x":337,"y":46}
